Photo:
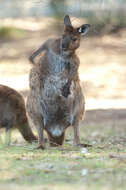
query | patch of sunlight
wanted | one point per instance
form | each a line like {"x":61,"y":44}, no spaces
{"x":19,"y":82}
{"x":105,"y":103}
{"x":27,"y":23}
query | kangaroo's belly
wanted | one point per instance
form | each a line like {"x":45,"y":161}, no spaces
{"x":54,"y":105}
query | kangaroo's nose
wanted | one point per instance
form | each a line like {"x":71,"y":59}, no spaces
{"x":64,"y":46}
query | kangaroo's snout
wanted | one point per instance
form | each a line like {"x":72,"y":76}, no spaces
{"x":56,"y":132}
{"x":56,"y":135}
{"x":56,"y":140}
{"x":65,"y":46}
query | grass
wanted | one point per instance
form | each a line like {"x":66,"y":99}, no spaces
{"x":67,"y":167}
{"x":7,"y":32}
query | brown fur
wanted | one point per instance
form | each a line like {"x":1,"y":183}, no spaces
{"x":13,"y":113}
{"x":55,"y":101}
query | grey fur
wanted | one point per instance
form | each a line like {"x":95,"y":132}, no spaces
{"x":48,"y":107}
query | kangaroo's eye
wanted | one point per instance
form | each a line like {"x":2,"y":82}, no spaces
{"x":74,"y":39}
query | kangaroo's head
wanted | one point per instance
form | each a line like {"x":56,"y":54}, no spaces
{"x":71,"y":36}
{"x":56,"y":140}
{"x":56,"y":133}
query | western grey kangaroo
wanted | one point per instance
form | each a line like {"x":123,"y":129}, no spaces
{"x":13,"y":113}
{"x":55,"y":100}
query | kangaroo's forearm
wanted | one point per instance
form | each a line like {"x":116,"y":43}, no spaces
{"x":37,"y":52}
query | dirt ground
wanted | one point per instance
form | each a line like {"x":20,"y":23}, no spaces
{"x":102,"y":69}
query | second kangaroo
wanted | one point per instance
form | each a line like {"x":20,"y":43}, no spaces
{"x":55,"y":100}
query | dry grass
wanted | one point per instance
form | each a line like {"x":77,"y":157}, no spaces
{"x":99,"y":167}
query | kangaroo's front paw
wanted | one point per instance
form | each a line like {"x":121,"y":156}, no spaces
{"x":42,"y":147}
{"x":66,"y":90}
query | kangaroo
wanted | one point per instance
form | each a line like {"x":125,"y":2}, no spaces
{"x":55,"y":100}
{"x":13,"y":113}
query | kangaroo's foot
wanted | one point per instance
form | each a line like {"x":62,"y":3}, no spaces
{"x":83,"y":145}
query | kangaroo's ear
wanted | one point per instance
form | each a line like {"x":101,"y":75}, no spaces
{"x":83,"y":29}
{"x":67,"y":21}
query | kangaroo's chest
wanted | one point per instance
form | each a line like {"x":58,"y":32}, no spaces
{"x":60,"y":70}
{"x":57,"y":63}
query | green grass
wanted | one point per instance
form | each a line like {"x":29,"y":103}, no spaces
{"x":7,"y":32}
{"x":22,"y":167}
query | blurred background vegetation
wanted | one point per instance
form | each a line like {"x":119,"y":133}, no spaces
{"x":105,"y":16}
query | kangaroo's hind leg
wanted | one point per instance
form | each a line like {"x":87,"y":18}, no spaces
{"x":40,"y":137}
{"x":8,"y":135}
{"x":38,"y":124}
{"x":77,"y":135}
